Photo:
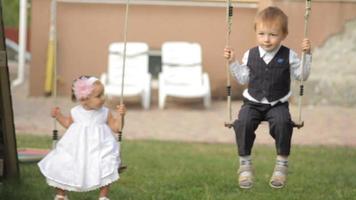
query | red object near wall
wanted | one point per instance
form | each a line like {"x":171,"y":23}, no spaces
{"x":12,"y":33}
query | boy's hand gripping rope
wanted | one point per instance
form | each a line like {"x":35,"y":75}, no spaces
{"x":229,"y":14}
{"x":300,"y":123}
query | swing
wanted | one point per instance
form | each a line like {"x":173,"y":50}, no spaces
{"x":123,"y":167}
{"x":119,"y":138}
{"x":229,"y":11}
{"x":33,"y":154}
{"x":229,"y":14}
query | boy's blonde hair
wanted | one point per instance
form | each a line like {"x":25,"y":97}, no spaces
{"x":272,"y":15}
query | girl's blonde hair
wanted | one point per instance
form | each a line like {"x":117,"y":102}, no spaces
{"x":272,"y":15}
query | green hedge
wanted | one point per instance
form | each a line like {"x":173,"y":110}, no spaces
{"x":10,"y":10}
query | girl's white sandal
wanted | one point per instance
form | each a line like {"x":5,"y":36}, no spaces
{"x":60,"y":197}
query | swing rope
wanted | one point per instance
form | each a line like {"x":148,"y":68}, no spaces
{"x":229,"y":14}
{"x":53,"y":38}
{"x":300,"y":122}
{"x":123,"y":68}
{"x":122,"y":167}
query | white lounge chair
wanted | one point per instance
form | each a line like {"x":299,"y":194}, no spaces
{"x":182,"y":74}
{"x":137,"y":79}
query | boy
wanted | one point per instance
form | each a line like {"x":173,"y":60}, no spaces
{"x":268,"y":69}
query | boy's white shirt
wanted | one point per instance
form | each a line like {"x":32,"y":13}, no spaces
{"x":241,"y":72}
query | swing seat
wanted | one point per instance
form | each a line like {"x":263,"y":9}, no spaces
{"x":31,"y":154}
{"x":182,"y":73}
{"x":298,"y":126}
{"x":137,"y":80}
{"x":294,"y":124}
{"x":122,"y":168}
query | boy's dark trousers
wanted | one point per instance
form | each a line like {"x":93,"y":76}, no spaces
{"x":250,"y":116}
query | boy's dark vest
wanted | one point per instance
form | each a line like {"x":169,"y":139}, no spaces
{"x":271,"y":81}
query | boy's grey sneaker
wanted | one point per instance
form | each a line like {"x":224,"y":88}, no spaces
{"x":279,"y":177}
{"x":245,"y":179}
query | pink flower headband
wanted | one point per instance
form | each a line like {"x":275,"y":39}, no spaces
{"x":83,"y":86}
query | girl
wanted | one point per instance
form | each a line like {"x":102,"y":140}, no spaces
{"x":87,"y":156}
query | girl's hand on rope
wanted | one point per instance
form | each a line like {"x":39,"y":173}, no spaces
{"x":229,"y":54}
{"x":306,"y":46}
{"x":55,"y":112}
{"x":121,"y":109}
{"x":63,"y":120}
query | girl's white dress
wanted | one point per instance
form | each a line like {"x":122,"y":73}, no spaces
{"x":87,"y":156}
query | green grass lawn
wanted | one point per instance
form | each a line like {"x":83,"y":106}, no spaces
{"x":173,"y":170}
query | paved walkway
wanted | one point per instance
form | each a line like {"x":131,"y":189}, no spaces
{"x":189,"y":121}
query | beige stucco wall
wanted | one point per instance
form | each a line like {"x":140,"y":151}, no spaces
{"x":327,"y":18}
{"x":85,"y":31}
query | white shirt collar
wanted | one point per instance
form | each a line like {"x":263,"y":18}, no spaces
{"x":270,"y":53}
